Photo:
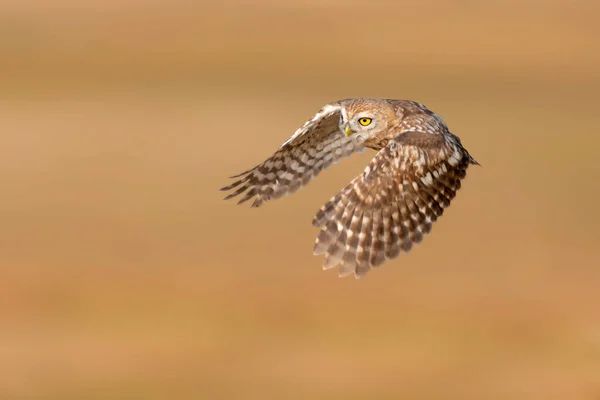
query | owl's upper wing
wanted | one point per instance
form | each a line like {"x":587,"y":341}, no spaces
{"x":312,"y":148}
{"x":393,"y":203}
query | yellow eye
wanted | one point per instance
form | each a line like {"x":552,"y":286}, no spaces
{"x":365,"y":121}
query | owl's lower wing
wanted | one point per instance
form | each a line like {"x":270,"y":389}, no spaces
{"x":312,"y":148}
{"x":392,"y":204}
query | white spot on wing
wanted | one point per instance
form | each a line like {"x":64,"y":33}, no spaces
{"x":455,"y":158}
{"x":427,"y":179}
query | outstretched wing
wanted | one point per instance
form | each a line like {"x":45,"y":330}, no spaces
{"x":312,"y":148}
{"x":393,"y":203}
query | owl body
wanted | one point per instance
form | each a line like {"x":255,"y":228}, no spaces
{"x":414,"y":175}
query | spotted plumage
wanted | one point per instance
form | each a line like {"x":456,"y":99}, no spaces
{"x":390,"y":206}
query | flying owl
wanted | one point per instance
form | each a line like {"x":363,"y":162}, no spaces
{"x":404,"y":189}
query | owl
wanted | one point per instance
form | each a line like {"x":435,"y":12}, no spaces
{"x":387,"y":209}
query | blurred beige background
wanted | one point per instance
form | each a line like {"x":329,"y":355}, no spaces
{"x":123,"y":274}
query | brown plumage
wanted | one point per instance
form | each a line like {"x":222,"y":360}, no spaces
{"x":390,"y":206}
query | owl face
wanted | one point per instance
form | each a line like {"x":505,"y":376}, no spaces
{"x":365,"y":123}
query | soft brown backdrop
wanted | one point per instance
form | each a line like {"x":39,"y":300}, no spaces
{"x":124,"y":275}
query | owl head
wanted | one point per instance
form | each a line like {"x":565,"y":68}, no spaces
{"x":366,"y":118}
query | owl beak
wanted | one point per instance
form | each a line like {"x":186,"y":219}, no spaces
{"x":347,"y":130}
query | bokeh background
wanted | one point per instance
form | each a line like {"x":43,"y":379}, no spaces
{"x":123,"y":274}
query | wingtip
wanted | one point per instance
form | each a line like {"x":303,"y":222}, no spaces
{"x":243,"y":173}
{"x":326,"y":267}
{"x":319,"y":248}
{"x":344,"y":271}
{"x":242,"y":200}
{"x":342,"y":274}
